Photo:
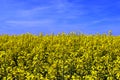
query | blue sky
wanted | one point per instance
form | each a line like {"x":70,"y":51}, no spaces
{"x":56,"y":16}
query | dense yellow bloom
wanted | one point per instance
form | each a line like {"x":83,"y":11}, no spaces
{"x":58,"y":57}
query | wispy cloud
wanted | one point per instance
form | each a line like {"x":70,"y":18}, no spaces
{"x":58,"y":8}
{"x":58,"y":13}
{"x":105,"y":20}
{"x":33,"y":11}
{"x":33,"y":23}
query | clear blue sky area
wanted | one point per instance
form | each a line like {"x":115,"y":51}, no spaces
{"x":56,"y":16}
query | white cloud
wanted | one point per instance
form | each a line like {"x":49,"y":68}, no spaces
{"x":57,"y":7}
{"x":98,"y":21}
{"x":30,"y":23}
{"x":33,"y":11}
{"x":106,"y":19}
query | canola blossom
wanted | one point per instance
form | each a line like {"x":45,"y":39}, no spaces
{"x":59,"y":57}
